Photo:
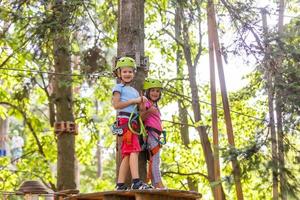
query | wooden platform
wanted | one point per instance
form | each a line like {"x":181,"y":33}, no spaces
{"x":156,"y":194}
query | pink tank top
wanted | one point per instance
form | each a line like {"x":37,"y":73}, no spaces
{"x":153,"y":119}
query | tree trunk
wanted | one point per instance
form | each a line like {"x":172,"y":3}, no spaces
{"x":184,"y":42}
{"x":229,"y":128}
{"x":131,"y":43}
{"x":183,"y":113}
{"x":51,"y":103}
{"x":207,"y":151}
{"x":270,"y":87}
{"x":99,"y":160}
{"x":279,"y":106}
{"x":280,"y":136}
{"x":182,"y":110}
{"x":63,"y":98}
{"x":270,"y":90}
{"x":184,"y":129}
{"x":197,"y":117}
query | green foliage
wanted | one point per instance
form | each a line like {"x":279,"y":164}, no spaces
{"x":26,"y":36}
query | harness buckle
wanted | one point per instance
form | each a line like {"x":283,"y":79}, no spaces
{"x":115,"y":129}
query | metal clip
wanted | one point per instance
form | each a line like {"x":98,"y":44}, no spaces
{"x":116,"y":130}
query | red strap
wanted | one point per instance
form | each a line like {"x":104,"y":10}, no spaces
{"x":127,"y":136}
{"x":155,"y":150}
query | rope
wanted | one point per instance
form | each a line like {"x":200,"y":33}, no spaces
{"x":164,"y":137}
{"x":142,"y":127}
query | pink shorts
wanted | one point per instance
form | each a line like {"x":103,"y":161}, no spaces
{"x":130,"y":141}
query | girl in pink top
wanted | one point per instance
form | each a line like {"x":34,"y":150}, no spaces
{"x":151,"y":117}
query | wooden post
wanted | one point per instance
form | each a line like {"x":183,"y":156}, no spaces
{"x":217,"y":187}
{"x":229,"y":129}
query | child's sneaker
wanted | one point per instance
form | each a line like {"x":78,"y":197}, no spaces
{"x":140,"y":185}
{"x":121,"y":187}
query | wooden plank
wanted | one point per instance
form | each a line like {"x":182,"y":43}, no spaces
{"x":141,"y":196}
{"x":117,"y":197}
{"x":155,"y":194}
{"x":172,"y":193}
{"x":145,"y":196}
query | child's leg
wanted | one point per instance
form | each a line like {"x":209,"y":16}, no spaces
{"x":137,"y":184}
{"x":155,"y":170}
{"x":123,"y":169}
{"x":134,"y":150}
{"x":134,"y":165}
{"x":156,"y":176}
{"x":159,"y":185}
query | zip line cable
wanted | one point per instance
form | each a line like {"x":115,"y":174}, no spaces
{"x":220,"y":107}
{"x":187,"y":98}
{"x":99,"y":74}
{"x":109,"y":75}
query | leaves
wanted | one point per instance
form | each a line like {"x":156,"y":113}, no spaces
{"x":26,"y":74}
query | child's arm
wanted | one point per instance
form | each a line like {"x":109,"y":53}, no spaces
{"x":144,"y":112}
{"x":118,"y":104}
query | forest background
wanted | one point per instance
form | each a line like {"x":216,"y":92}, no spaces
{"x":270,"y":91}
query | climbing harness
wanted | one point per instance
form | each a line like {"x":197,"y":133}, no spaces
{"x":162,"y":135}
{"x":140,"y":121}
{"x":133,"y":117}
{"x":116,"y":130}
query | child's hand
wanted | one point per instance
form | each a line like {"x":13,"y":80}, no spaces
{"x":152,"y":109}
{"x":142,"y":106}
{"x":140,"y":99}
{"x":143,"y":99}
